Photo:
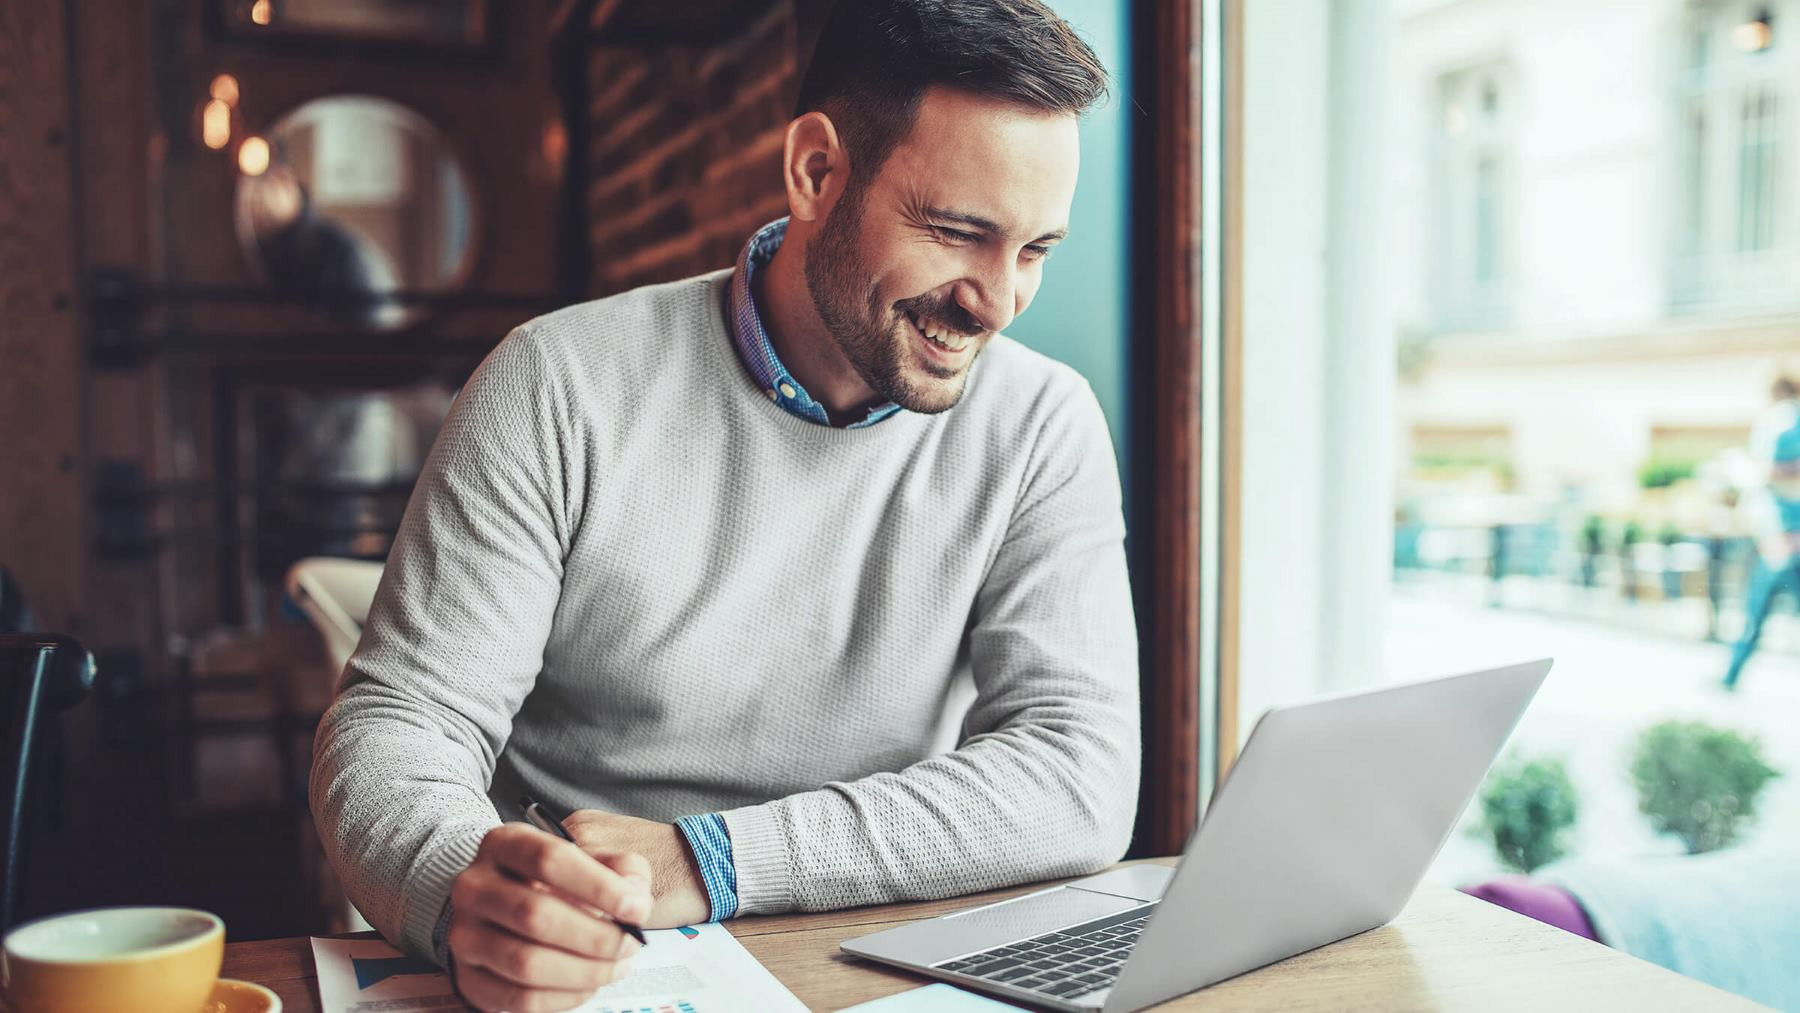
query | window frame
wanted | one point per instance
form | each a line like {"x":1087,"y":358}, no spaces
{"x":1188,"y":60}
{"x":1463,"y":139}
{"x":1710,"y":270}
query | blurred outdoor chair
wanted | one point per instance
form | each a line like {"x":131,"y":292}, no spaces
{"x":1730,"y":918}
{"x":335,"y":594}
{"x":44,"y":674}
{"x":15,"y":614}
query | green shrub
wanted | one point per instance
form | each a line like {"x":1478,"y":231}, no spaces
{"x":1698,"y":782}
{"x":1525,"y":807}
{"x":1662,"y":472}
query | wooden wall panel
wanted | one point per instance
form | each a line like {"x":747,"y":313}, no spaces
{"x":115,"y":170}
{"x":41,"y":537}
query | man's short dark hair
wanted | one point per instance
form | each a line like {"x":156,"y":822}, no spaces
{"x":876,"y":58}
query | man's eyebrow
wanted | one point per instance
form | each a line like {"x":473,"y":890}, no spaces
{"x":977,"y":222}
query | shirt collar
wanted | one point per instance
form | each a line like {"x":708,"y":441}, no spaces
{"x":752,"y":340}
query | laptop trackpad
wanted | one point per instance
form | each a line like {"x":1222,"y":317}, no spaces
{"x":1140,"y":882}
{"x":953,"y":935}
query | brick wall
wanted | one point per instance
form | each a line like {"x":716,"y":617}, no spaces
{"x":685,"y":147}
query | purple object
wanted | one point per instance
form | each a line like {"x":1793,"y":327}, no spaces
{"x":1549,"y":904}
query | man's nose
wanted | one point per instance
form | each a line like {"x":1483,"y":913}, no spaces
{"x":990,"y":296}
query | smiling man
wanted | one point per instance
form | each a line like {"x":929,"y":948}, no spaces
{"x":703,"y":561}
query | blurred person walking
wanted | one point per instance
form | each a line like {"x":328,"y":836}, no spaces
{"x":1775,"y":512}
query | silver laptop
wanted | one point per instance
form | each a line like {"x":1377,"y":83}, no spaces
{"x":1323,"y":829}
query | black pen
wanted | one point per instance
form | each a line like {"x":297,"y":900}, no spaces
{"x":538,"y":817}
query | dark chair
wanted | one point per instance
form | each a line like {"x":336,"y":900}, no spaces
{"x":15,"y":615}
{"x":40,"y":675}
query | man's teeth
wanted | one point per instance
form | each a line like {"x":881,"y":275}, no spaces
{"x":949,"y":339}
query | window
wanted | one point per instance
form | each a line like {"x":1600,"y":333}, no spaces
{"x":1758,"y":133}
{"x":1738,"y":238}
{"x":1456,"y":229}
{"x":1470,"y":257}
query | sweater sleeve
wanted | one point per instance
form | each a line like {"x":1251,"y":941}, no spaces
{"x":1045,"y":781}
{"x":454,"y":642}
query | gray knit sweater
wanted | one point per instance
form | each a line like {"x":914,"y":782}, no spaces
{"x":628,"y":581}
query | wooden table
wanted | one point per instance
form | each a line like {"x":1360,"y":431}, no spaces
{"x":1445,"y":951}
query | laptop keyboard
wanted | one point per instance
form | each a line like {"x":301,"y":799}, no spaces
{"x":1065,"y":964}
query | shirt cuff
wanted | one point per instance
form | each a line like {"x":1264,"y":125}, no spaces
{"x":710,"y":842}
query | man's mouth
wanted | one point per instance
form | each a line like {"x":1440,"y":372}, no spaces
{"x":936,"y":334}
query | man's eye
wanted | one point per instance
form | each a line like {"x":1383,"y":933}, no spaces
{"x":956,"y":235}
{"x":1036,"y":252}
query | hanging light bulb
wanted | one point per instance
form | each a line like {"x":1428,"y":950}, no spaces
{"x":262,"y":12}
{"x":253,"y":156}
{"x":215,"y":124}
{"x":225,"y":89}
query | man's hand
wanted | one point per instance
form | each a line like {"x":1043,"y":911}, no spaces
{"x":528,"y":931}
{"x":679,"y":892}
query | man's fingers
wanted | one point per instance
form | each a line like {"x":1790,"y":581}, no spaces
{"x":539,"y":915}
{"x":485,"y":990}
{"x":524,"y":963}
{"x":531,"y":854}
{"x":629,"y":864}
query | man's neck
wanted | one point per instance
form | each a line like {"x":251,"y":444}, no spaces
{"x":801,"y":339}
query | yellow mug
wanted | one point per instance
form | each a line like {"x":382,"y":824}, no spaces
{"x":113,"y":960}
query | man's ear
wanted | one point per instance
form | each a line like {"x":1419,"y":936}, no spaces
{"x":815,"y":167}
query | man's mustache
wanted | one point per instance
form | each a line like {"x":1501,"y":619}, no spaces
{"x":946,"y":312}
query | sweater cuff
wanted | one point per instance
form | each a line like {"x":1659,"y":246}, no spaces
{"x":759,"y":847}
{"x":427,"y":892}
{"x":710,"y":841}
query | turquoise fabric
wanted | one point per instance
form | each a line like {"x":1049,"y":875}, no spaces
{"x":1730,"y":918}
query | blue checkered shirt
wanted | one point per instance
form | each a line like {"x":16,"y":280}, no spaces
{"x":752,"y":340}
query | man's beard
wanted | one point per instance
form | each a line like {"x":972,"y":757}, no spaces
{"x":875,"y":339}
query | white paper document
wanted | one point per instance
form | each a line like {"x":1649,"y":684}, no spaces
{"x":700,"y":969}
{"x":369,"y":976}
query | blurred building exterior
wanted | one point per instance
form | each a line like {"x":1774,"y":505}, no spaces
{"x":1593,"y":241}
